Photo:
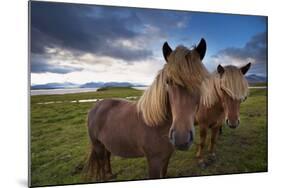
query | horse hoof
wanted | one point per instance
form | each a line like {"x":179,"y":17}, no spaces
{"x":202,"y":164}
{"x":110,"y":176}
{"x":212,"y":157}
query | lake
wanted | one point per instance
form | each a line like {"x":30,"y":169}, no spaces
{"x":82,"y":90}
{"x":67,"y":91}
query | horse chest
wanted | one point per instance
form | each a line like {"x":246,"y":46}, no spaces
{"x":129,"y":152}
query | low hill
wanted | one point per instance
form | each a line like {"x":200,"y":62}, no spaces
{"x":253,"y":79}
{"x":55,"y":85}
{"x":109,"y":88}
{"x":67,"y":85}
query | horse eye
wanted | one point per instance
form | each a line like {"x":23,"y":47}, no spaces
{"x":244,"y":99}
{"x":168,"y":81}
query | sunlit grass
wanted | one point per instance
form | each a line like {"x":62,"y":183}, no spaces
{"x":59,"y":141}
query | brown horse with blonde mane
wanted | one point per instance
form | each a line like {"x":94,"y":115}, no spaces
{"x":161,"y":120}
{"x":222,"y":93}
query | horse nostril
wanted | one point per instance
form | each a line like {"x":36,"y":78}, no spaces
{"x":227,"y":121}
{"x":191,"y":136}
{"x":172,"y":136}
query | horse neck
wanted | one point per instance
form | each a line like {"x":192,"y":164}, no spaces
{"x":218,"y":106}
{"x":169,"y":120}
{"x":164,"y":128}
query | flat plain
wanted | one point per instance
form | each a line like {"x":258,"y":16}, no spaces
{"x":60,"y":144}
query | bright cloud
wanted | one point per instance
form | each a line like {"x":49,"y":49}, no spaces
{"x":85,"y":43}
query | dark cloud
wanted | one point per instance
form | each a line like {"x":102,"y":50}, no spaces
{"x":40,"y":65}
{"x":165,"y":19}
{"x":116,"y":32}
{"x":254,"y":50}
{"x":82,"y":28}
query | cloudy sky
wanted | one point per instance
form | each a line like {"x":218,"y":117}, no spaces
{"x":86,"y":43}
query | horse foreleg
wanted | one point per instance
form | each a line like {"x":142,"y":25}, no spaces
{"x":164,"y":170}
{"x":214,"y":135}
{"x":220,"y":132}
{"x":155,"y":165}
{"x":203,"y":135}
{"x":165,"y":167}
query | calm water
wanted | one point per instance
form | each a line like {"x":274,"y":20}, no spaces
{"x":66,"y":91}
{"x":60,"y":91}
{"x":82,"y":90}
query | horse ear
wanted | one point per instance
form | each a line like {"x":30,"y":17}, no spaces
{"x":245,"y":69}
{"x":201,"y":48}
{"x":167,"y":50}
{"x":220,"y":69}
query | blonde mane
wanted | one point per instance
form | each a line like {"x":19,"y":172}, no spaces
{"x":184,"y":68}
{"x":153,"y":102}
{"x":232,"y":82}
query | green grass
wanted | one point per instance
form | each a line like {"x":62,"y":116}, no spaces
{"x":59,"y":141}
{"x":105,"y":93}
{"x":114,"y":88}
{"x":259,"y":84}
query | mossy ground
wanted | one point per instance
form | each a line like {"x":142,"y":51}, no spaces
{"x":59,"y":141}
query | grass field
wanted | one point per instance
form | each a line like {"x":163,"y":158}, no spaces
{"x":59,"y":141}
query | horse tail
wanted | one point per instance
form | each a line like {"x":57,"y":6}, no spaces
{"x":95,"y":165}
{"x":91,"y":165}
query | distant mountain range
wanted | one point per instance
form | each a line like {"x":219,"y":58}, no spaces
{"x":253,"y":78}
{"x":68,"y":85}
{"x":109,"y":84}
{"x":55,"y":86}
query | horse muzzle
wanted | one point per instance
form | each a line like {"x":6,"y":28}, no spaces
{"x":232,"y":124}
{"x":182,"y":141}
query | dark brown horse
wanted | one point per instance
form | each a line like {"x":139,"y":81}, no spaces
{"x":161,"y":120}
{"x":222,"y":94}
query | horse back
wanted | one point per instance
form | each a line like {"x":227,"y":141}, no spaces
{"x":98,"y":115}
{"x":116,"y":124}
